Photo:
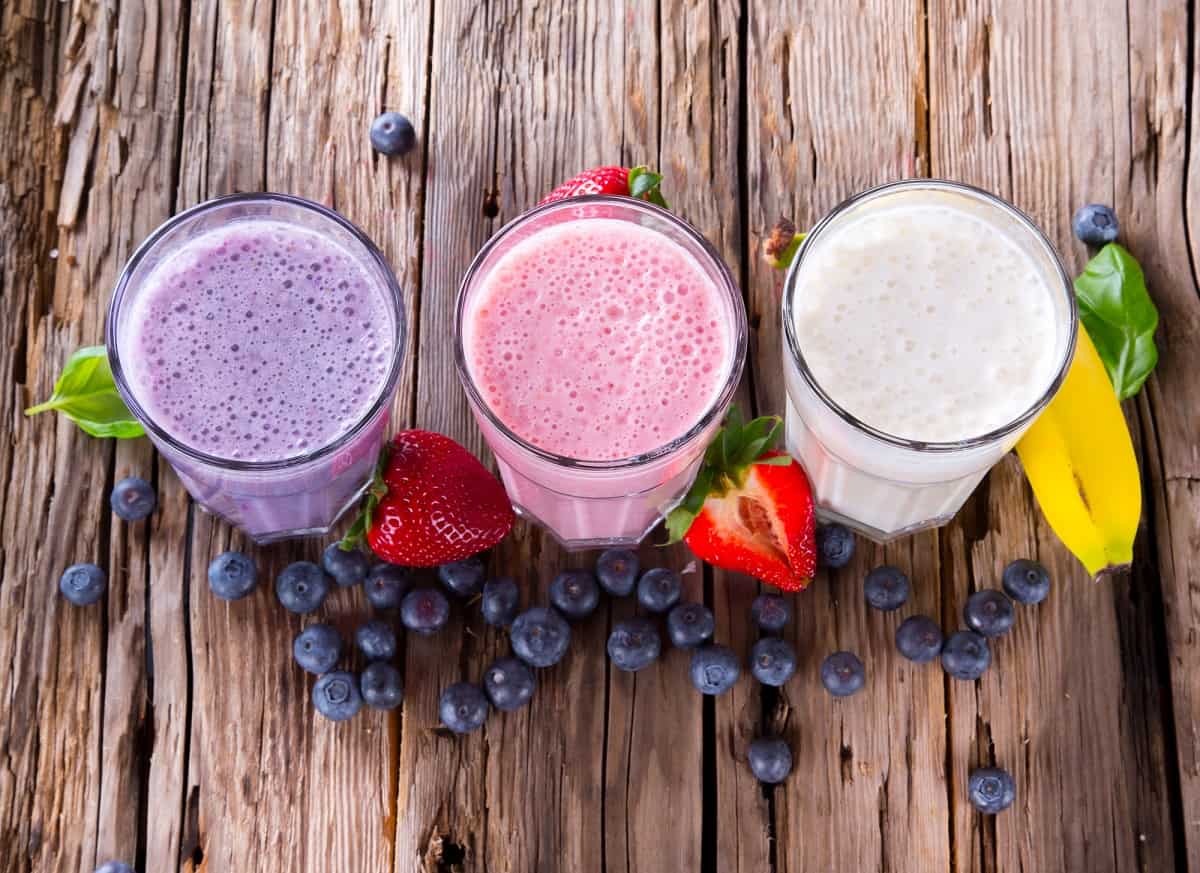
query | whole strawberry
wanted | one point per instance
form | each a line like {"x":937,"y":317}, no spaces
{"x":626,"y":181}
{"x":750,"y":509}
{"x":431,"y":503}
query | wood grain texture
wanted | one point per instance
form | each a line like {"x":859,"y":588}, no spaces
{"x":173,"y":730}
{"x":876,"y":759}
{"x":1075,"y":716}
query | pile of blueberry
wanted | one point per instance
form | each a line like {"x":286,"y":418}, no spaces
{"x":965,"y":654}
{"x":541,"y":635}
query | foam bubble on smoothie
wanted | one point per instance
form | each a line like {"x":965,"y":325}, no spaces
{"x":926,"y":322}
{"x":259,"y":341}
{"x":598,"y":339}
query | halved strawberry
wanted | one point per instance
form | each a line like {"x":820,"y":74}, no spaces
{"x":627,"y":181}
{"x":432,"y":502}
{"x":750,"y":509}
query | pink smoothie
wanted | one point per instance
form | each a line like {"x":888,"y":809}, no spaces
{"x":259,"y":341}
{"x":598,"y":339}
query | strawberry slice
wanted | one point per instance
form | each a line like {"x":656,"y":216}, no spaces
{"x":750,"y":509}
{"x":637,"y":182}
{"x":431,"y":503}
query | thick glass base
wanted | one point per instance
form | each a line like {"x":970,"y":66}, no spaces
{"x":826,"y":515}
{"x":583,"y":544}
{"x":266,"y":537}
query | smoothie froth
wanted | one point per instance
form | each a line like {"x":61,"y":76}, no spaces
{"x":598,"y":340}
{"x":259,"y":341}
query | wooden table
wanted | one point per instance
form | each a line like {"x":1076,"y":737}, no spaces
{"x":167,"y":727}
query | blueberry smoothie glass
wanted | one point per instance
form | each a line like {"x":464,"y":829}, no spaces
{"x":258,"y":338}
{"x":599,"y":341}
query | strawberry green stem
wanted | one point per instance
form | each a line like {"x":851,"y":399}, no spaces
{"x":782,"y":243}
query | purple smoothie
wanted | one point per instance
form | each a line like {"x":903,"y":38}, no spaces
{"x":260,"y":341}
{"x":257,"y":339}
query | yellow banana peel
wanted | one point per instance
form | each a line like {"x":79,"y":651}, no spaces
{"x":1079,"y":458}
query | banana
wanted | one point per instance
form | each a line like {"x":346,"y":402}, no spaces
{"x":1078,"y":456}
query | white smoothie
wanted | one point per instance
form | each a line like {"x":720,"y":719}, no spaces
{"x":934,"y":314}
{"x":926,"y":323}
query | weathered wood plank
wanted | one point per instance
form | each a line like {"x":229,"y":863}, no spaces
{"x":332,"y":75}
{"x":118,"y":132}
{"x":271,"y":784}
{"x":873,"y":764}
{"x":1164,"y":175}
{"x":440,"y":792}
{"x":1021,"y":108}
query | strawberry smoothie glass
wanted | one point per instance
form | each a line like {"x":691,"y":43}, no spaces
{"x":258,"y":339}
{"x":599,"y":340}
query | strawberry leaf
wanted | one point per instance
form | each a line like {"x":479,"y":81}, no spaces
{"x":679,"y":521}
{"x":356,"y":535}
{"x":643,"y":183}
{"x":775,"y":461}
{"x":737,"y":446}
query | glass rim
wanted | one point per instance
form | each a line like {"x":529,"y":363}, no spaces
{"x":725,"y":278}
{"x":374,"y":256}
{"x":932,"y":446}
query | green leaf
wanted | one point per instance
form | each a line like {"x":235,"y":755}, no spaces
{"x":1119,"y":316}
{"x":775,"y":461}
{"x":356,"y":535}
{"x":678,"y":522}
{"x":87,"y":394}
{"x":644,"y":183}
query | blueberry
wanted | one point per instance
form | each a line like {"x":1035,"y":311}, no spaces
{"x":634,"y":644}
{"x":464,"y":577}
{"x":501,"y":601}
{"x":966,"y":655}
{"x":346,"y":567}
{"x":232,"y":575}
{"x":392,"y":134}
{"x":659,"y":589}
{"x":617,"y":570}
{"x":463,"y":707}
{"x":690,"y":624}
{"x":886,"y":588}
{"x":919,"y":639}
{"x":843,"y":674}
{"x":835,"y":545}
{"x":714,"y":669}
{"x":132,"y":499}
{"x":425,"y":611}
{"x":989,"y":612}
{"x":302,"y":587}
{"x":376,"y":640}
{"x":114,"y":867}
{"x":382,"y":687}
{"x":83,"y":584}
{"x":509,"y":684}
{"x":1026,"y":581}
{"x":1095,"y":224}
{"x":771,"y":612}
{"x":991,"y":790}
{"x":317,"y":648}
{"x":540,"y":637}
{"x":770,"y":760}
{"x":386,"y":585}
{"x":336,"y":695}
{"x":773,"y":661}
{"x":575,"y":593}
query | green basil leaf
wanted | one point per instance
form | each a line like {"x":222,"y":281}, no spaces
{"x":1119,"y":316}
{"x":87,"y":394}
